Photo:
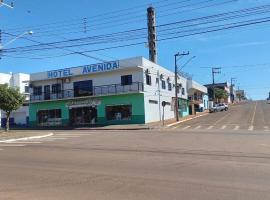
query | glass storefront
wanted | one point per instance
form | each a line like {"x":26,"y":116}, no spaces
{"x":119,"y":112}
{"x":83,"y":116}
{"x":49,"y":117}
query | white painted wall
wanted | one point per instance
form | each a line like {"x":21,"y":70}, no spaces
{"x":19,"y":80}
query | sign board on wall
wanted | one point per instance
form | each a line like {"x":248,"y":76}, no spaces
{"x":87,"y":69}
{"x":82,"y":103}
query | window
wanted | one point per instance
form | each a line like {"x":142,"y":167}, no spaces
{"x":26,"y":88}
{"x":126,"y":80}
{"x":183,"y":91}
{"x":83,"y":88}
{"x":119,"y":112}
{"x":169,"y":86}
{"x":148,"y":79}
{"x":49,"y":117}
{"x":37,"y":90}
{"x":56,"y":88}
{"x":163,"y":84}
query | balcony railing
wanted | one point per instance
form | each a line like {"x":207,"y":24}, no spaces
{"x":96,"y":91}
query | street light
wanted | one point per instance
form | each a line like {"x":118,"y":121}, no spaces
{"x":4,"y":4}
{"x":15,"y":38}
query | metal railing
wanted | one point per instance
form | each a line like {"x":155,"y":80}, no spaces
{"x":96,"y":91}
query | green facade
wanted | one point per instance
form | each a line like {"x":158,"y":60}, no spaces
{"x":136,"y":100}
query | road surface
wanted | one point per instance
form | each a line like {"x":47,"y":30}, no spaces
{"x":211,"y":159}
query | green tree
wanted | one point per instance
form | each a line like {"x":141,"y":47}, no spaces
{"x":220,"y":94}
{"x":10,"y":99}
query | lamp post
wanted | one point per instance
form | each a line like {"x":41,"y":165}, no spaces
{"x":7,"y":5}
{"x":16,"y":37}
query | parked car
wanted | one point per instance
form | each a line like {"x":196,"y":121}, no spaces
{"x":219,"y":107}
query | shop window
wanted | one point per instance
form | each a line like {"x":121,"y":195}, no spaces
{"x":37,"y":91}
{"x":56,"y":88}
{"x":148,"y":79}
{"x":49,"y":117}
{"x":126,"y":80}
{"x":83,"y":88}
{"x":169,"y":86}
{"x":163,"y":84}
{"x":119,"y":112}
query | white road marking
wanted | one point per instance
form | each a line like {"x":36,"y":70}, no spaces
{"x":12,"y":145}
{"x":236,"y":128}
{"x":210,"y":127}
{"x":186,"y":127}
{"x":251,"y":128}
{"x":197,"y":127}
{"x":254,"y":113}
{"x":223,"y":127}
{"x":21,"y":142}
{"x":266,"y":128}
{"x":175,"y":127}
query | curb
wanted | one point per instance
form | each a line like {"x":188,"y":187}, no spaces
{"x":175,"y":123}
{"x":26,"y":138}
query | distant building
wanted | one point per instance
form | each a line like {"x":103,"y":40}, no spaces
{"x":224,"y":86}
{"x":197,"y":96}
{"x":240,"y":95}
{"x":21,"y":81}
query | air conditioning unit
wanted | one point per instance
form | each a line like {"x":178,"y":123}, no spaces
{"x":67,"y":80}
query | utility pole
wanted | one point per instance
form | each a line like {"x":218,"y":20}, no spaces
{"x":152,"y":35}
{"x":176,"y":81}
{"x":215,"y":70}
{"x":231,"y":89}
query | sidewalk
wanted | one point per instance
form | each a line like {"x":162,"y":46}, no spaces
{"x":172,"y":122}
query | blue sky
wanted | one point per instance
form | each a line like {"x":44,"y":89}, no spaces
{"x":243,"y":53}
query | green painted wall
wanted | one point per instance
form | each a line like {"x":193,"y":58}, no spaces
{"x":136,"y":100}
{"x":184,"y":111}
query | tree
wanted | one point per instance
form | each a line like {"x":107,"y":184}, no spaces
{"x":10,"y":99}
{"x":220,"y":93}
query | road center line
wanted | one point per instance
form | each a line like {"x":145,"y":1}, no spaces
{"x":254,"y":113}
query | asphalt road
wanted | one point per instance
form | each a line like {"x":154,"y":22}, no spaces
{"x":194,"y":163}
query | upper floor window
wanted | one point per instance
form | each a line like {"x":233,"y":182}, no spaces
{"x":126,"y":80}
{"x":183,"y":91}
{"x":163,"y":84}
{"x":56,"y":88}
{"x":169,"y":86}
{"x":148,"y":79}
{"x":83,"y":88}
{"x":37,"y":90}
{"x":26,"y":88}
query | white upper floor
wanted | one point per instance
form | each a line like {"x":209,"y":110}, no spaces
{"x":129,"y":75}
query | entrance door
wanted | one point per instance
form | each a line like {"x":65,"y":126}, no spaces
{"x":83,"y":116}
{"x":47,"y":92}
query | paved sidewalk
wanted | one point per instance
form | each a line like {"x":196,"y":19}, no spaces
{"x":172,"y":122}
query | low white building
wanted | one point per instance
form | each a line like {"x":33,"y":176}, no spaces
{"x":19,"y":117}
{"x":117,"y":92}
